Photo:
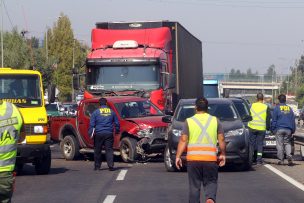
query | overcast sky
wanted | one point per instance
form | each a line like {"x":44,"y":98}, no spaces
{"x":237,"y":34}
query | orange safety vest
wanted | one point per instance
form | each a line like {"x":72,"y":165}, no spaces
{"x":202,"y":138}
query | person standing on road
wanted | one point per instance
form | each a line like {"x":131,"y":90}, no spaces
{"x":10,"y":126}
{"x":260,"y":122}
{"x":102,"y":124}
{"x":283,"y":125}
{"x":200,"y":136}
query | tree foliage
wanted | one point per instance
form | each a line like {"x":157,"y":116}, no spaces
{"x":54,"y":58}
{"x":64,"y":51}
{"x":15,"y":50}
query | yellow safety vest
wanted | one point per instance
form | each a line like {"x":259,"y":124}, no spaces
{"x":202,"y":138}
{"x":10,"y":125}
{"x":258,"y":112}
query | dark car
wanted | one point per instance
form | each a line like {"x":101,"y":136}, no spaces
{"x":269,"y":145}
{"x":238,"y":150}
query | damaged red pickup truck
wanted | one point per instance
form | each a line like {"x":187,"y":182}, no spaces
{"x":142,"y":131}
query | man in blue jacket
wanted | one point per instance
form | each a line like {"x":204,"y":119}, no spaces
{"x":283,"y":126}
{"x":102,"y":124}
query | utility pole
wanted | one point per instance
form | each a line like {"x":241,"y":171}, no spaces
{"x":296,"y":76}
{"x":73,"y":70}
{"x":46,"y":45}
{"x":1,"y":33}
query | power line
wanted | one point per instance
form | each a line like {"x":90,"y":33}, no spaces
{"x":8,"y":16}
{"x":250,"y":43}
{"x":237,"y":4}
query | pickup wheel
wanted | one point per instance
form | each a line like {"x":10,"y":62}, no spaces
{"x":169,"y":162}
{"x":69,"y":147}
{"x":128,"y":149}
{"x":43,"y":165}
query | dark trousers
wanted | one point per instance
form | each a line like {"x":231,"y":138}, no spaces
{"x":6,"y":186}
{"x":202,"y":172}
{"x":256,"y":139}
{"x":106,"y":140}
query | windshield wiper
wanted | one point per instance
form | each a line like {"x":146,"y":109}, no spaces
{"x":101,"y":92}
{"x":22,"y":106}
{"x":227,"y":119}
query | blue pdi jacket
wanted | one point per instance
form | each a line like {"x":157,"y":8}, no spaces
{"x":104,"y":120}
{"x":283,"y":117}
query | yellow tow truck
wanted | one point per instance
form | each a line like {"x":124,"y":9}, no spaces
{"x":24,"y":89}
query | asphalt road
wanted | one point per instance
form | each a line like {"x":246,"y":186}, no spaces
{"x":75,"y":181}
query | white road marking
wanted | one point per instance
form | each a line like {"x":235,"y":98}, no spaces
{"x":109,"y":199}
{"x":121,"y":175}
{"x":286,"y":177}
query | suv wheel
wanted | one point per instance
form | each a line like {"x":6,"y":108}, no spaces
{"x":169,"y":162}
{"x":248,"y":162}
{"x":128,"y":149}
{"x":69,"y":147}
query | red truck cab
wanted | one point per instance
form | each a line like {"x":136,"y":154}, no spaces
{"x":158,"y":60}
{"x":142,"y":131}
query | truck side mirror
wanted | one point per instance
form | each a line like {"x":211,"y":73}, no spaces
{"x":172,"y":81}
{"x":167,"y":119}
{"x":76,"y":82}
{"x":226,"y":93}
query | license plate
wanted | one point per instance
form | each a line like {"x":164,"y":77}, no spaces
{"x":270,"y":143}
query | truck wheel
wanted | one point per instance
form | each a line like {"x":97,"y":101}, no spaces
{"x":19,"y":168}
{"x":128,"y":149}
{"x":302,"y":151}
{"x":169,"y":162}
{"x":43,"y":165}
{"x":69,"y":147}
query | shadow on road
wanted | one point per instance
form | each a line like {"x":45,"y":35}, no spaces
{"x":29,"y":170}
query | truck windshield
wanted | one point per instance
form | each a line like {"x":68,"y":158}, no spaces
{"x":22,"y":90}
{"x":221,"y":111}
{"x":211,"y":91}
{"x":123,"y":77}
{"x":136,"y":109}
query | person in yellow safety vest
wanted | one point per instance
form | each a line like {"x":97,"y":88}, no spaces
{"x":200,"y":136}
{"x":260,"y":122}
{"x":10,"y":126}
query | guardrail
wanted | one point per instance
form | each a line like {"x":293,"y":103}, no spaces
{"x":299,"y":139}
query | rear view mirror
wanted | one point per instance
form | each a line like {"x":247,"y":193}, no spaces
{"x":247,"y":118}
{"x":167,"y":119}
{"x":172,"y":81}
{"x":168,"y":112}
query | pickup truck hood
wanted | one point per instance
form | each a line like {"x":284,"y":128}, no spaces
{"x":152,"y":121}
{"x":34,"y":115}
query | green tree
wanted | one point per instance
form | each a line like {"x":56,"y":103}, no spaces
{"x":15,"y":50}
{"x":62,"y":48}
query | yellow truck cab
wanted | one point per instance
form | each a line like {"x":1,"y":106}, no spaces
{"x":24,"y":89}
